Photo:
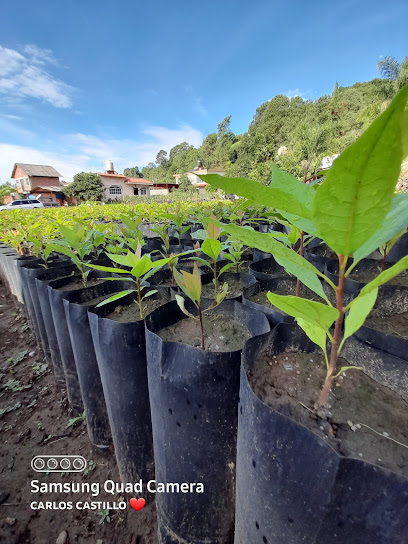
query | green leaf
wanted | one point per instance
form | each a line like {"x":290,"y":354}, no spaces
{"x":285,"y":256}
{"x":150,"y":293}
{"x":294,"y":235}
{"x":59,"y":248}
{"x":395,"y":221}
{"x":404,"y":132}
{"x":181,"y":304}
{"x":47,"y":252}
{"x":200,"y":260}
{"x":316,"y":333}
{"x":220,"y":296}
{"x":190,"y":284}
{"x":321,"y":315}
{"x":385,"y":276}
{"x":225,"y":268}
{"x":143,"y":266}
{"x":72,"y":236}
{"x":356,"y":195}
{"x":121,"y":259}
{"x":107,"y":269}
{"x":344,"y":368}
{"x":279,"y":198}
{"x":116,"y":296}
{"x":360,"y":307}
{"x":211,"y":247}
{"x":290,"y":185}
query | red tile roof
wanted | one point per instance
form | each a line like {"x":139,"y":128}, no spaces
{"x":111,"y":175}
{"x":138,"y":180}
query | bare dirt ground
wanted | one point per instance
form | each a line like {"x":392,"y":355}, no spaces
{"x":34,"y":415}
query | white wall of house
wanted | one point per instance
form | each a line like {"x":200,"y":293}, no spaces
{"x":115,"y":188}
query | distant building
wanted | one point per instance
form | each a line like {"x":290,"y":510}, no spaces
{"x":117,"y":185}
{"x":37,"y":180}
{"x":199,"y":170}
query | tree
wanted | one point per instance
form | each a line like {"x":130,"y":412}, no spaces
{"x":133,"y":172}
{"x":86,"y":186}
{"x":389,"y":67}
{"x":185,"y":185}
{"x":161,"y":158}
{"x":5,"y":189}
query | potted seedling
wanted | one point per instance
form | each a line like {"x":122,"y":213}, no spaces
{"x":331,"y":495}
{"x":193,"y":352}
{"x":141,"y":269}
{"x":178,"y":219}
{"x":118,"y":333}
{"x":190,"y":284}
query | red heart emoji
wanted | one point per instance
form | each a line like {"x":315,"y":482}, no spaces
{"x":137,"y":504}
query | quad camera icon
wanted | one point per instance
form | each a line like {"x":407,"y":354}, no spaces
{"x":58,"y":463}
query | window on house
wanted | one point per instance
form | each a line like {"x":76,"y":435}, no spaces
{"x":143,"y":191}
{"x":115,"y":190}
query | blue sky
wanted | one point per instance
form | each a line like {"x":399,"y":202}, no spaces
{"x":86,"y":81}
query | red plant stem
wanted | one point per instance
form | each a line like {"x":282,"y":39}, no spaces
{"x":200,"y":317}
{"x":302,"y":234}
{"x":324,"y":394}
{"x":383,"y":260}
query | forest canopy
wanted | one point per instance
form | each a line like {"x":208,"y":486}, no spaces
{"x":292,"y":132}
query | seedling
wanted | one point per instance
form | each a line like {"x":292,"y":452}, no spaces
{"x":178,"y":220}
{"x":76,"y":245}
{"x":104,"y":516}
{"x":212,"y":247}
{"x":233,"y":253}
{"x":141,"y":269}
{"x":356,"y":196}
{"x":76,"y":420}
{"x":190,"y":284}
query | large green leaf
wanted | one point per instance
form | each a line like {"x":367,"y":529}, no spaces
{"x":300,"y":222}
{"x":260,"y":194}
{"x":318,"y":314}
{"x":386,"y":276}
{"x":356,"y":195}
{"x":285,"y":256}
{"x":395,"y":221}
{"x":292,"y":186}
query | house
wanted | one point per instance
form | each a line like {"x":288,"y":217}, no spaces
{"x":199,"y":170}
{"x":38,"y":180}
{"x":117,"y":185}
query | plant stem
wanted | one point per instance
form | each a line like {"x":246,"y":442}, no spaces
{"x":302,"y":234}
{"x":215,"y":278}
{"x":383,"y":260}
{"x":200,"y":317}
{"x":139,"y":298}
{"x":324,"y":394}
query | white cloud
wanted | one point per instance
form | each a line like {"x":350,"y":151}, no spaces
{"x":67,"y":165}
{"x":86,"y":152}
{"x":24,"y":74}
{"x":294,"y":92}
{"x":125,"y":153}
{"x":13,"y":117}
